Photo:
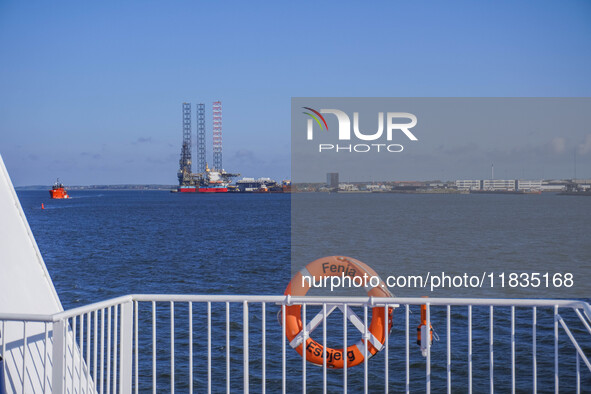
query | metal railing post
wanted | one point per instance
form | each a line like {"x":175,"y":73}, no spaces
{"x":2,"y":387}
{"x":470,"y":349}
{"x":245,"y":346}
{"x":126,"y":358}
{"x":534,"y":352}
{"x":428,"y":358}
{"x":57,"y":381}
{"x":556,"y":349}
{"x":2,"y":354}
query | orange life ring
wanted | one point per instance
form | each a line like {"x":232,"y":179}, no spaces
{"x":336,"y":266}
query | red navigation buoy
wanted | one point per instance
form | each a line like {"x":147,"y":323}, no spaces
{"x":42,"y":206}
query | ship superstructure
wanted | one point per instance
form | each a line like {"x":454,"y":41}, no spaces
{"x":58,"y":191}
{"x":210,"y":181}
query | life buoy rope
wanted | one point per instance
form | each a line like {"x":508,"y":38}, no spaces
{"x":375,"y":338}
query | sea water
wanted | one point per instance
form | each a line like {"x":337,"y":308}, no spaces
{"x":102,"y":244}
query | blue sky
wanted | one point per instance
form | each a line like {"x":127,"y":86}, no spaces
{"x":92,"y":92}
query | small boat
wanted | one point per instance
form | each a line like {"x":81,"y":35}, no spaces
{"x":58,"y":191}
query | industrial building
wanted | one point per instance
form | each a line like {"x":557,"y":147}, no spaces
{"x":332,"y":180}
{"x":468,"y":184}
{"x":499,"y":184}
{"x":529,"y":185}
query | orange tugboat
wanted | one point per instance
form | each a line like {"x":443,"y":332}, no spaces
{"x":58,"y":191}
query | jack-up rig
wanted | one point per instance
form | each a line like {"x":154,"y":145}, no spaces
{"x":205,"y":180}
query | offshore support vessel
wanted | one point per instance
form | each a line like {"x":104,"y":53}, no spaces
{"x":58,"y":191}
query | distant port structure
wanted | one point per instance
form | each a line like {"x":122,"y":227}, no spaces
{"x":522,"y":186}
{"x":205,"y":180}
{"x":213,"y":179}
{"x":500,"y":186}
{"x":459,"y":186}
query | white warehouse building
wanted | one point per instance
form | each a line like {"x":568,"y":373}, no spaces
{"x":498,"y":184}
{"x":529,"y":185}
{"x":468,"y":184}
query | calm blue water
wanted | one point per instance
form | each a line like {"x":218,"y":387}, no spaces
{"x":99,"y":245}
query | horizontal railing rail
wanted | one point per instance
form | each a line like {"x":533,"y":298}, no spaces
{"x":292,"y":300}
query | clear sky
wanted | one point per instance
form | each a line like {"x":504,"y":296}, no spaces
{"x":92,"y":91}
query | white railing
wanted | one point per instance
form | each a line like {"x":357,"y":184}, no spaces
{"x":201,"y":343}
